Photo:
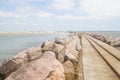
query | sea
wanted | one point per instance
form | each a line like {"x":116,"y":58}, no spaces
{"x":12,"y":44}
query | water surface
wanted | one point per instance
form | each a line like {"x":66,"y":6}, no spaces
{"x":12,"y":44}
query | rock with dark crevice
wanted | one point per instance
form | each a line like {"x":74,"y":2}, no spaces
{"x":54,"y":47}
{"x":99,"y":37}
{"x":11,"y":65}
{"x":39,"y":69}
{"x":69,"y":70}
{"x":45,"y":62}
{"x":62,"y":41}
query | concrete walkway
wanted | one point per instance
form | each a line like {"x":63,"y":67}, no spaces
{"x":98,"y":63}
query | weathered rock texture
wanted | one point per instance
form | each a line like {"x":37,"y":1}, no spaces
{"x":115,"y":42}
{"x":38,"y":69}
{"x":51,"y":61}
{"x":11,"y":65}
{"x":69,"y":70}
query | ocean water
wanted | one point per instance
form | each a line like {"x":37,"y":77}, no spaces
{"x":12,"y":44}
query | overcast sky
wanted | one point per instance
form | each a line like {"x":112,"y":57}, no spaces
{"x":60,"y":15}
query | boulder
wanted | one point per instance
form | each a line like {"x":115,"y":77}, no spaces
{"x":99,"y":37}
{"x":55,"y":76}
{"x":116,"y":44}
{"x":48,"y":46}
{"x":11,"y":65}
{"x":113,"y":42}
{"x":69,"y":70}
{"x":61,"y":55}
{"x":74,"y":44}
{"x":8,"y":66}
{"x":78,"y":44}
{"x":72,"y":55}
{"x":57,"y":48}
{"x":72,"y":49}
{"x":38,"y":69}
{"x":118,"y":48}
{"x":63,"y":41}
{"x":33,"y":53}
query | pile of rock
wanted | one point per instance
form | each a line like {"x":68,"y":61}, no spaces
{"x":115,"y":42}
{"x":99,"y":37}
{"x":51,"y":61}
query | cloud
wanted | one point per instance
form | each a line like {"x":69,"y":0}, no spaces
{"x":101,"y":8}
{"x":28,"y":11}
{"x":62,"y":4}
{"x":5,"y":14}
{"x":72,"y":17}
{"x":44,"y":14}
{"x":24,"y":1}
{"x":8,"y":14}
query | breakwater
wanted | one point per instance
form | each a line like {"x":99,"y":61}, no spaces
{"x":50,"y":61}
{"x":75,"y":57}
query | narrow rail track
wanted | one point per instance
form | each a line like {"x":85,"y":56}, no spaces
{"x":99,"y":60}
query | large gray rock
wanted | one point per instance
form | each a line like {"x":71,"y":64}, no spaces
{"x":11,"y":65}
{"x":55,"y":76}
{"x":48,"y":46}
{"x":57,"y":48}
{"x":34,"y":53}
{"x":63,"y":41}
{"x":69,"y":70}
{"x":72,"y":49}
{"x":38,"y":69}
{"x":61,"y":55}
{"x":78,"y":44}
{"x":74,"y":44}
{"x":72,"y":55}
{"x":99,"y":37}
{"x":115,"y":43}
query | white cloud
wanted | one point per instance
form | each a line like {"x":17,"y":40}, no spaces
{"x":76,"y":17}
{"x":44,"y":14}
{"x":31,"y":11}
{"x":101,"y":8}
{"x":5,"y":14}
{"x":24,"y":1}
{"x":62,"y":4}
{"x":24,"y":12}
{"x":8,"y":14}
{"x":91,"y":9}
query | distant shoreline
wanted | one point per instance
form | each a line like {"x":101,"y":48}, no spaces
{"x":31,"y":32}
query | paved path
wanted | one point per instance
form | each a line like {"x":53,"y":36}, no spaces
{"x":99,"y":60}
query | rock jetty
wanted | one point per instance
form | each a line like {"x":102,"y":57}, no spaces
{"x":56,"y":60}
{"x":115,"y":42}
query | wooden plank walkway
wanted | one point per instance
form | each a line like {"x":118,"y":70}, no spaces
{"x":99,"y":63}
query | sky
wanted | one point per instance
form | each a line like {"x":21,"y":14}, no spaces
{"x":59,"y":15}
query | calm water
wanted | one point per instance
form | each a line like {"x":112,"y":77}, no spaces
{"x":11,"y":44}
